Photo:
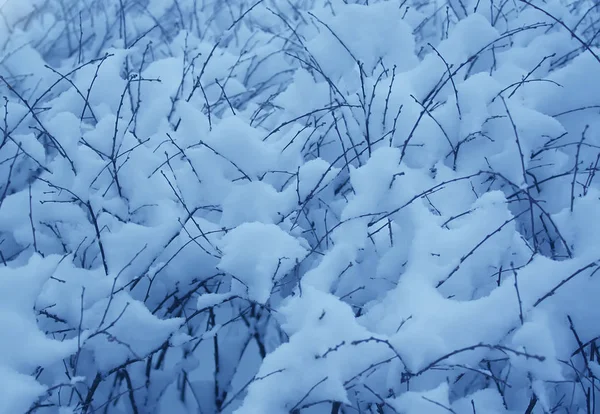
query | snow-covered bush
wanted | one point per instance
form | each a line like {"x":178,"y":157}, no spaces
{"x":304,"y":206}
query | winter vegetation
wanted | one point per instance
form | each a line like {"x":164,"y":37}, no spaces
{"x":299,"y":206}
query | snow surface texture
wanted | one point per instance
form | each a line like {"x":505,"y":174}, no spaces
{"x":300,"y":207}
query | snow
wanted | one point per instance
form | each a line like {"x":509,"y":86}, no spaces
{"x":253,"y":202}
{"x":435,"y":401}
{"x":212,"y":299}
{"x":24,"y":346}
{"x":305,"y":207}
{"x":269,"y":254}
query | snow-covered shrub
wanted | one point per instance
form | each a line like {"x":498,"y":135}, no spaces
{"x":304,"y":206}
